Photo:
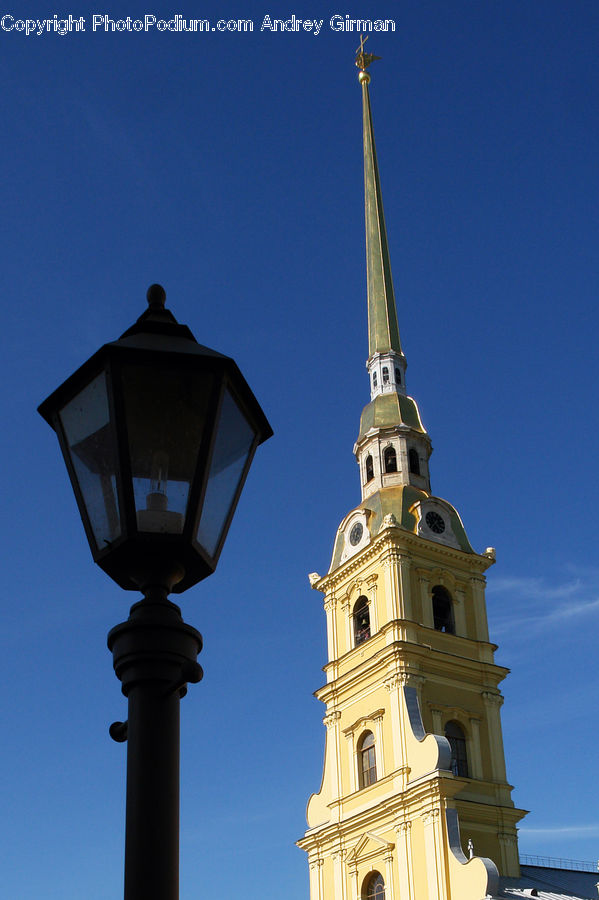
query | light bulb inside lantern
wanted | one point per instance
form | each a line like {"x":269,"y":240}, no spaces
{"x":156,"y":516}
{"x":157,"y":499}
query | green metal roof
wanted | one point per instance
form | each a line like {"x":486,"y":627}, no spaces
{"x":399,"y":501}
{"x":390,"y":409}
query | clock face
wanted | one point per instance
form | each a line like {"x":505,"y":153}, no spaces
{"x":435,"y":522}
{"x":355,"y":535}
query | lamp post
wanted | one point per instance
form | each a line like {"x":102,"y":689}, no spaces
{"x":158,"y":434}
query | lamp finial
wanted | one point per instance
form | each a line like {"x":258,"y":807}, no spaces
{"x":156,"y":296}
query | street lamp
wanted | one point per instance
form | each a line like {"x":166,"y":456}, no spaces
{"x":158,"y":434}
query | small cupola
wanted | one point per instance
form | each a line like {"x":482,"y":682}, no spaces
{"x":387,"y":372}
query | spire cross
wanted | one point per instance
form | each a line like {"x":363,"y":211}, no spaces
{"x":363,"y":60}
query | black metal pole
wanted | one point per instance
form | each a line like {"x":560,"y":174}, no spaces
{"x":154,"y":655}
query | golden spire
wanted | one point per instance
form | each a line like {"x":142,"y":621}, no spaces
{"x":383,"y":330}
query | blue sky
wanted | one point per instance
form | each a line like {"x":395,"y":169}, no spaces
{"x":228,"y":168}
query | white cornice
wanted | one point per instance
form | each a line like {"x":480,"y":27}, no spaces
{"x":396,"y":537}
{"x":407,"y":654}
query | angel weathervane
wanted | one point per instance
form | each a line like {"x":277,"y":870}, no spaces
{"x":363,"y":60}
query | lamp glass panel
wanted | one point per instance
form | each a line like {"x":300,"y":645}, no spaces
{"x":165,"y":412}
{"x":234,"y":439}
{"x":90,"y":437}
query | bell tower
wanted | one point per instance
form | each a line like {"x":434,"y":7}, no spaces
{"x":414,"y":802}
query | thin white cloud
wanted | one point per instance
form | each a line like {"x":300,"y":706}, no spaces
{"x":575,"y":609}
{"x":534,"y":588}
{"x":539,"y":604}
{"x":557,"y":830}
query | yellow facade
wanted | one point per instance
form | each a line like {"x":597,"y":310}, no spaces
{"x":414,"y":803}
{"x":403,"y":684}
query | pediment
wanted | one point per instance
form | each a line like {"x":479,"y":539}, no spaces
{"x":370,"y":844}
{"x":369,"y":717}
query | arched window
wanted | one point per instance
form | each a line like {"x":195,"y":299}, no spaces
{"x":367,"y":761}
{"x":369,"y":469}
{"x":457,"y":742}
{"x":385,"y":375}
{"x":414,"y":461}
{"x":443,"y":610}
{"x":374,"y":381}
{"x":374,"y":887}
{"x":390,"y":460}
{"x":397,"y":376}
{"x":361,"y":621}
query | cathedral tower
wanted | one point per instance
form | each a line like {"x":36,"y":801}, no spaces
{"x":414,"y":803}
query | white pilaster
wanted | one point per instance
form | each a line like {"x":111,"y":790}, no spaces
{"x":404,"y":581}
{"x":389,"y":887}
{"x":372,"y":603}
{"x":316,"y":891}
{"x":404,"y":861}
{"x":392,"y":586}
{"x":426,"y":600}
{"x":493,"y":703}
{"x":353,"y":878}
{"x":329,"y":607}
{"x":508,"y":842}
{"x":346,"y":613}
{"x":352,"y":761}
{"x":459,"y":611}
{"x":478,"y":605}
{"x":437,"y":716}
{"x":399,"y":755}
{"x":338,"y":874}
{"x":380,"y":750}
{"x":435,"y":857}
{"x":331,"y":722}
{"x":475,"y":760}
